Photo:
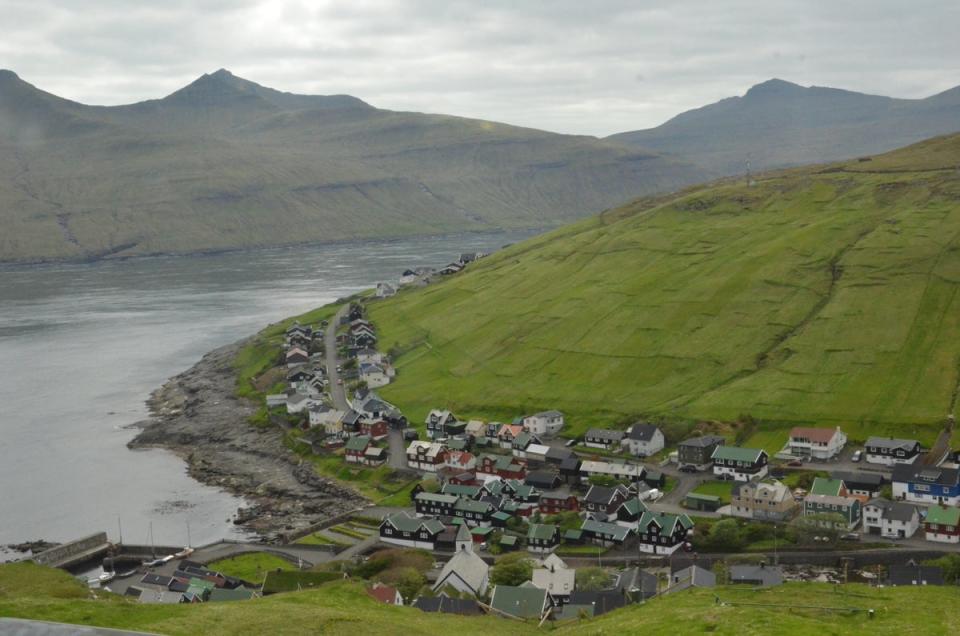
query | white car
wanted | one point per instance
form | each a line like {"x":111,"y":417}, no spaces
{"x":856,"y":456}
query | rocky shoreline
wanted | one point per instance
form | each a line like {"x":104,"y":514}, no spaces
{"x":197,"y":416}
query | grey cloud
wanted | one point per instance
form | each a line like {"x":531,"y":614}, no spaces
{"x":565,"y":65}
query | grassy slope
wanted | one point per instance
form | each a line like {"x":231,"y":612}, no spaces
{"x":251,"y":567}
{"x":28,"y":591}
{"x":716,"y":302}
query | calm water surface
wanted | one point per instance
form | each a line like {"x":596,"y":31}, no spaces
{"x":82,"y":346}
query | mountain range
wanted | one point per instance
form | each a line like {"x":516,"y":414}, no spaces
{"x":778,"y":123}
{"x":225,"y":163}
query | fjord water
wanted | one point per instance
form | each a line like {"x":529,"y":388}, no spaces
{"x":83,"y":345}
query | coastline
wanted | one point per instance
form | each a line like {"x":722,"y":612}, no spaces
{"x":197,"y":416}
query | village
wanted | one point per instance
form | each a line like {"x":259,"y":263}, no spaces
{"x":485,"y":489}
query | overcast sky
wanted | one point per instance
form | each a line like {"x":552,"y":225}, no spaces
{"x":577,"y":66}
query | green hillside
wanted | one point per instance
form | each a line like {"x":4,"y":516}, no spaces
{"x":28,"y":591}
{"x":824,"y":295}
{"x":226,"y":163}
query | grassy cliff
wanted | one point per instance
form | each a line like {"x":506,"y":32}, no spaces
{"x":824,"y":295}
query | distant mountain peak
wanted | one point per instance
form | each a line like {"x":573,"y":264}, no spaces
{"x":7,"y":75}
{"x":774,"y":87}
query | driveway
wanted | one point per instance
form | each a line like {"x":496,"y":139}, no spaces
{"x":337,"y":393}
{"x":398,"y":450}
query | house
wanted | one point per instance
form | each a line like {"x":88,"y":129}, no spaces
{"x":401,"y":528}
{"x":636,"y":584}
{"x":832,"y":487}
{"x":558,"y":500}
{"x":602,"y":438}
{"x":570,"y":469}
{"x":426,"y":456}
{"x":524,"y":601}
{"x":375,"y":429}
{"x":697,"y":452}
{"x":890,"y":519}
{"x":909,"y":574}
{"x":556,"y":578}
{"x":739,"y":464}
{"x":276,"y":399}
{"x":374,"y":375}
{"x":295,"y":356}
{"x":690,"y":576}
{"x":889,"y":451}
{"x":604,"y":499}
{"x":643,"y":440}
{"x":620,"y":471}
{"x":757,"y":575}
{"x":473,"y":512}
{"x":507,"y":433}
{"x":521,"y":442}
{"x":503,"y":466}
{"x":374,"y":456}
{"x":543,"y":537}
{"x":385,"y":290}
{"x":327,"y":417}
{"x":847,"y":507}
{"x":355,"y":448}
{"x":555,"y":456}
{"x":603,"y":533}
{"x":533,"y":453}
{"x":450,"y":269}
{"x":542,"y":479}
{"x":300,"y":374}
{"x":815,"y":443}
{"x":369,"y":405}
{"x":663,"y":533}
{"x":546,"y":423}
{"x":767,"y":500}
{"x":592,"y":603}
{"x":860,"y":484}
{"x":386,"y":594}
{"x":437,"y":421}
{"x":435,"y":504}
{"x":443,"y":604}
{"x":927,"y":485}
{"x":368,"y":356}
{"x":297,"y":403}
{"x":475,"y":428}
{"x":465,"y":572}
{"x":628,"y":513}
{"x":351,"y":421}
{"x":460,"y":461}
{"x":942,"y":524}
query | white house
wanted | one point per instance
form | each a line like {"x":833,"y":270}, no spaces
{"x":555,"y":577}
{"x":297,"y":403}
{"x":476,"y":428}
{"x":374,"y":375}
{"x":643,"y":440}
{"x":369,"y":356}
{"x":739,"y":464}
{"x":544,"y":423}
{"x":816,"y":443}
{"x":893,"y":520}
{"x":620,"y":471}
{"x":327,"y":417}
{"x":889,"y":451}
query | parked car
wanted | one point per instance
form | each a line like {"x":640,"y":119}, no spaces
{"x":795,"y":463}
{"x":856,"y":456}
{"x":571,"y":442}
{"x":688,"y":469}
{"x":850,"y":536}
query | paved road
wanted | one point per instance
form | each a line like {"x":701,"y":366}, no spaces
{"x":398,"y":450}
{"x":337,"y":393}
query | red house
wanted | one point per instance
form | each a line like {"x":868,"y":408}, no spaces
{"x":377,"y":430}
{"x":556,"y":501}
{"x":355,"y":449}
{"x":502,"y":466}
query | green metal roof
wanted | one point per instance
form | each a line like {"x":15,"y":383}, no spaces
{"x":699,"y":497}
{"x":481,"y":531}
{"x":508,"y":539}
{"x":824,"y":486}
{"x":469,"y":505}
{"x":573,"y":535}
{"x":358,"y":442}
{"x":943,"y":516}
{"x":437,"y":497}
{"x":461,"y":489}
{"x":542,"y":531}
{"x":522,"y":602}
{"x":737,"y":454}
{"x":608,"y":529}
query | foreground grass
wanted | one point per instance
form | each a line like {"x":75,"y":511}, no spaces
{"x":251,"y":567}
{"x":342,"y":607}
{"x":818,"y":296}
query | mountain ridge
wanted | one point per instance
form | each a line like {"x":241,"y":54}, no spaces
{"x":225,"y":163}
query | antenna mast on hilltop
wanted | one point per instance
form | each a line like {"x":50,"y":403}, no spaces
{"x":750,"y":181}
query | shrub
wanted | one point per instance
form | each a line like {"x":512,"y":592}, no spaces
{"x":511,"y":569}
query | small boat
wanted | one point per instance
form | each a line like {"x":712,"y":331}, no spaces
{"x":106,"y":577}
{"x":182,"y":554}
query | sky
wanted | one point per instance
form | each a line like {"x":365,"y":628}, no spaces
{"x":592,"y":67}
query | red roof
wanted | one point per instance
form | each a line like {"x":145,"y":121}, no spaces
{"x":823,"y":435}
{"x":383,"y":593}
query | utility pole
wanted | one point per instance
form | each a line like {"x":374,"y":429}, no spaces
{"x":120,"y":530}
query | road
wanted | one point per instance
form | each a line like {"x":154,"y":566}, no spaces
{"x":398,"y":450}
{"x":337,"y":393}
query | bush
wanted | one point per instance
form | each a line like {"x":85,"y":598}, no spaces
{"x":407,"y":580}
{"x":602,"y":480}
{"x":511,"y":569}
{"x":592,"y":579}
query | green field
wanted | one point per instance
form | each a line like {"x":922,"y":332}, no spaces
{"x":342,"y":607}
{"x":251,"y":567}
{"x":820,"y":296}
